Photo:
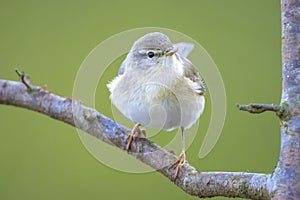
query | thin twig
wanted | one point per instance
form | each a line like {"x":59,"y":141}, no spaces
{"x":282,"y":111}
{"x":24,"y":79}
{"x":259,"y":108}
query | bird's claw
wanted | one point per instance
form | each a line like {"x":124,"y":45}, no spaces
{"x":178,"y":164}
{"x":134,"y":134}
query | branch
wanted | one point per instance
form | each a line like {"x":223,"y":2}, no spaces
{"x":285,"y":178}
{"x":286,"y":184}
{"x":23,"y":78}
{"x":282,"y":111}
{"x":200,"y":184}
{"x":259,"y":108}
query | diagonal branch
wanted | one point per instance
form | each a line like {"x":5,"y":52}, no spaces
{"x":200,"y":184}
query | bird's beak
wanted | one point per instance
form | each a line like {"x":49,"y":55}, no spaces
{"x":170,"y":52}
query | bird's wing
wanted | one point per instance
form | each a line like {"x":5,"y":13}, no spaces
{"x":184,"y":49}
{"x":193,"y":77}
{"x":189,"y":71}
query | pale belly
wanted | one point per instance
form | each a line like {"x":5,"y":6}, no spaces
{"x":157,"y":105}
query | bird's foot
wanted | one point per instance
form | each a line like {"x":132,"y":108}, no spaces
{"x":178,"y":164}
{"x":135,"y":132}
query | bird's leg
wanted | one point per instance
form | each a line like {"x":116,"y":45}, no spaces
{"x":136,"y":130}
{"x":181,"y":160}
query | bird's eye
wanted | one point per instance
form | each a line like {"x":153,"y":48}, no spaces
{"x":150,"y":54}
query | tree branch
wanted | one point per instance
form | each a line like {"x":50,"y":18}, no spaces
{"x":286,"y":184}
{"x":200,"y":184}
{"x":259,"y":108}
{"x":282,"y":111}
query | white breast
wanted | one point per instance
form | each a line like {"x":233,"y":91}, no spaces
{"x":163,"y":100}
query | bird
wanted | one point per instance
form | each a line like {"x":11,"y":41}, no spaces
{"x":157,"y":86}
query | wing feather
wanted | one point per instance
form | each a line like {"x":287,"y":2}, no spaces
{"x":193,"y":76}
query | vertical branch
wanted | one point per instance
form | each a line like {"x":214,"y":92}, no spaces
{"x":286,"y":184}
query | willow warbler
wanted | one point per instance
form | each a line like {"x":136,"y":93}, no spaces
{"x":157,"y":86}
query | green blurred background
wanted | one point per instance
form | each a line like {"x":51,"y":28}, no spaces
{"x":44,"y":159}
